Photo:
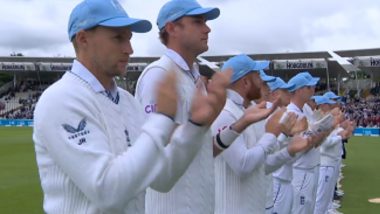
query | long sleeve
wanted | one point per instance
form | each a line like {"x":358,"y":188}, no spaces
{"x":239,"y":157}
{"x":108,"y":180}
{"x":180,"y":152}
{"x":276,"y":160}
{"x":285,"y":170}
{"x":333,"y":138}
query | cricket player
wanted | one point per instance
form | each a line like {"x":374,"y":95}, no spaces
{"x":306,"y":168}
{"x":240,"y":168}
{"x":331,"y":153}
{"x":284,"y":192}
{"x":280,"y":97}
{"x":183,"y":30}
{"x":277,"y":90}
{"x":309,"y":109}
{"x":96,"y":150}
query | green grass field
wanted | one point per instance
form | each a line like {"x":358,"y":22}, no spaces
{"x":20,"y":190}
{"x":361,"y":176}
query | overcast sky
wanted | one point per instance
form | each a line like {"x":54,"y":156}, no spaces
{"x":39,"y":27}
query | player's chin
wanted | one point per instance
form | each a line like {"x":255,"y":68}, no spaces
{"x":203,"y":48}
{"x":205,"y":45}
{"x":122,"y":72}
{"x":122,"y":67}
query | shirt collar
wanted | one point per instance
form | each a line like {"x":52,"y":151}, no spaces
{"x":182,"y":63}
{"x":268,"y":105}
{"x":82,"y":72}
{"x":177,"y":59}
{"x":235,"y":97}
{"x":294,"y":107}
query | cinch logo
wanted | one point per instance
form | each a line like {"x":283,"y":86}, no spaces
{"x":77,"y":132}
{"x":150,"y":108}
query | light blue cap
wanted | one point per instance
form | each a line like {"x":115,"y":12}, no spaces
{"x":242,"y":65}
{"x":278,"y":83}
{"x":313,"y":98}
{"x":303,"y":79}
{"x":108,"y":13}
{"x":323,"y":100}
{"x":176,"y":9}
{"x":331,"y":95}
{"x":265,"y":77}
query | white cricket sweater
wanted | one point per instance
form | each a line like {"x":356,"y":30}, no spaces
{"x":331,"y":148}
{"x":311,"y":158}
{"x":240,"y":169}
{"x":285,"y":172}
{"x":95,"y":156}
{"x":274,"y":161}
{"x":194,"y":191}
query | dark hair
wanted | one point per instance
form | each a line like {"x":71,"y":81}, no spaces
{"x":163,"y":35}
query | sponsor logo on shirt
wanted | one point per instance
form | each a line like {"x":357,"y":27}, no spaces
{"x":77,"y":132}
{"x":150,"y":108}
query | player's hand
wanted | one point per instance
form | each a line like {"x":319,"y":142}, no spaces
{"x":258,"y":112}
{"x":287,"y":122}
{"x":344,"y":134}
{"x":318,"y":139}
{"x":273,"y":124}
{"x":345,"y":124}
{"x":299,"y":143}
{"x":353,"y":124}
{"x":300,"y":126}
{"x":252,"y":115}
{"x":338,"y":116}
{"x":167,"y":95}
{"x":350,"y":129}
{"x":206,"y":107}
{"x":336,"y":111}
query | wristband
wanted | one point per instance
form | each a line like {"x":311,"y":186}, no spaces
{"x":218,"y":143}
{"x":225,"y":138}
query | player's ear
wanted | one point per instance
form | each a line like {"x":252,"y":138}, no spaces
{"x":170,"y":28}
{"x":81,"y":38}
{"x":246,"y":81}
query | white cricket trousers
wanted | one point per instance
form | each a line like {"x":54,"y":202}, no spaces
{"x":305,"y":182}
{"x":282,"y":196}
{"x":325,"y":191}
{"x":337,"y":170}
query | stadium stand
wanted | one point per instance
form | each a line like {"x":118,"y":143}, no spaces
{"x":18,"y":102}
{"x":23,"y":79}
{"x":366,"y":112}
